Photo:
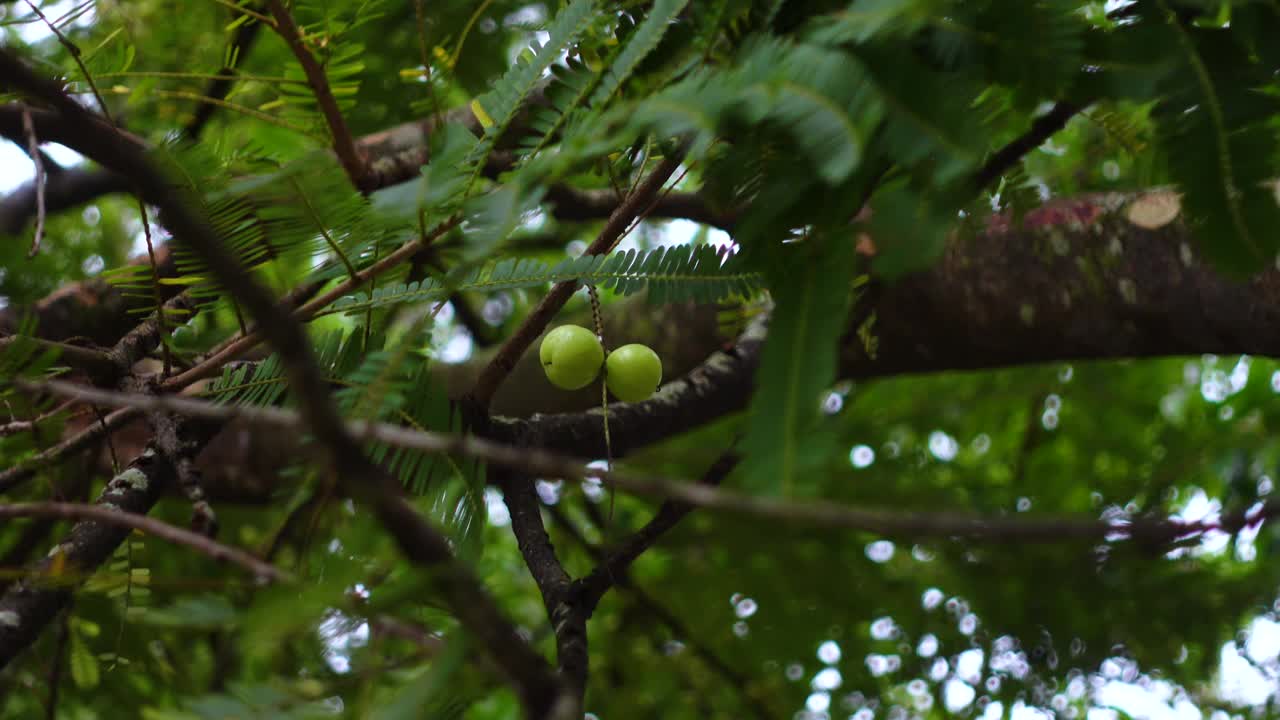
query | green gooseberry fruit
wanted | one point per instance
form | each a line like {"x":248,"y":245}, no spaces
{"x":633,"y":372}
{"x":571,"y":357}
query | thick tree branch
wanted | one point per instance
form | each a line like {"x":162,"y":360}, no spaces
{"x":394,"y":156}
{"x":64,"y":190}
{"x":722,"y":384}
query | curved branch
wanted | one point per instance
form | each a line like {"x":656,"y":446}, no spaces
{"x":32,"y":603}
{"x":343,"y":144}
{"x":614,"y":565}
{"x":106,"y":515}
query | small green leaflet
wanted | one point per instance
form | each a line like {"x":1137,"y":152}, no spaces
{"x":799,"y":359}
{"x":702,"y":273}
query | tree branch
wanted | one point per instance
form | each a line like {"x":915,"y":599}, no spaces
{"x":16,"y":475}
{"x":735,"y":679}
{"x":538,"y":462}
{"x":343,"y":144}
{"x":37,"y":158}
{"x":419,"y":541}
{"x":110,"y":516}
{"x":613,"y":566}
{"x":720,"y":385}
{"x":563,"y":608}
{"x":1042,"y":128}
{"x":30,"y":604}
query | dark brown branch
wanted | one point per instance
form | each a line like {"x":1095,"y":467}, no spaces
{"x":539,"y":462}
{"x":568,"y":622}
{"x":140,"y":341}
{"x":16,"y":475}
{"x":534,"y":323}
{"x":343,"y":144}
{"x":616,"y":563}
{"x":535,"y":546}
{"x":109,"y":516}
{"x":68,"y":189}
{"x":646,"y":602}
{"x":722,"y":384}
{"x":394,"y":156}
{"x":1041,"y":129}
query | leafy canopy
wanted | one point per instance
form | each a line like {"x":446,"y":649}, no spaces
{"x":840,"y":146}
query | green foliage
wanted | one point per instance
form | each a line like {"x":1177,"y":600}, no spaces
{"x":700,"y":273}
{"x":509,"y":92}
{"x":812,"y":293}
{"x":830,"y":138}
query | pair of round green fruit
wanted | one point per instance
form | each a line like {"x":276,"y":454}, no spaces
{"x":571,"y":357}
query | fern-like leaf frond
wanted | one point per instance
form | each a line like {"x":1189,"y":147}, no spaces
{"x":701,"y":273}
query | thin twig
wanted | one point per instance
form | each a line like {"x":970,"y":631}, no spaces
{"x":343,"y":143}
{"x":14,"y":427}
{"x":1041,"y":129}
{"x":155,"y":288}
{"x":615,"y":564}
{"x":420,"y":15}
{"x":55,"y":666}
{"x":11,"y":478}
{"x":74,"y":50}
{"x":536,"y":462}
{"x":98,"y":364}
{"x":149,"y":525}
{"x":37,"y":158}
